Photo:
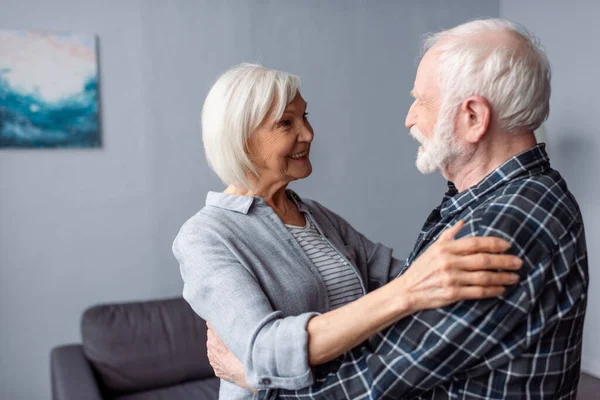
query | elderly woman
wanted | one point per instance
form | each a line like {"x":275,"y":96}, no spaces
{"x":286,"y":283}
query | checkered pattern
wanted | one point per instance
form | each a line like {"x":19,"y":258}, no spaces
{"x":524,"y":344}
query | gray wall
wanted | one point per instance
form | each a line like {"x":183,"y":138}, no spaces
{"x":569,"y":30}
{"x":82,"y":227}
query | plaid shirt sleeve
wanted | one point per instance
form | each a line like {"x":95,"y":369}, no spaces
{"x":432,"y":349}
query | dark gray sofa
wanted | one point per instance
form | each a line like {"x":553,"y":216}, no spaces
{"x":151,"y":350}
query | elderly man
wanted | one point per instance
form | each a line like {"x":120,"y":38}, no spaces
{"x":481,"y":90}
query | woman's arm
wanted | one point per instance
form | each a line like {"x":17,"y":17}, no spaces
{"x":223,"y":292}
{"x":449,"y":271}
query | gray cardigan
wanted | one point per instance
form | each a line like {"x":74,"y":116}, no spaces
{"x":245,"y":273}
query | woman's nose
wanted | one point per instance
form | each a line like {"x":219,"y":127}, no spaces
{"x":307,"y":133}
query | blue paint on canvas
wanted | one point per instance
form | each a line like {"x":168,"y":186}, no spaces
{"x":52,"y":101}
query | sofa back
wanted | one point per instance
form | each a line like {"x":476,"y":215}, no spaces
{"x":141,"y":346}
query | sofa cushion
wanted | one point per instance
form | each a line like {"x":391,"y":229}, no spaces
{"x":206,"y":389}
{"x":145,"y":345}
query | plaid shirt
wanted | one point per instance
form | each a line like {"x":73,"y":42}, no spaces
{"x":524,"y":344}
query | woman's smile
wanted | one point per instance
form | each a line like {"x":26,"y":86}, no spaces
{"x":303,"y":156}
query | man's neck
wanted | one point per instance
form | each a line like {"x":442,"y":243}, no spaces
{"x":466,"y":173}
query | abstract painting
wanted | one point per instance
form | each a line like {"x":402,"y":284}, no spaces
{"x":48,"y":90}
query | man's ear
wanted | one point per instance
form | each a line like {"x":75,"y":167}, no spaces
{"x":475,"y":114}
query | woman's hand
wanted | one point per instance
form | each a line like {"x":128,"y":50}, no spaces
{"x":452,"y":270}
{"x":223,"y":362}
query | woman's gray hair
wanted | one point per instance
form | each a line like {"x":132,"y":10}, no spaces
{"x":236,"y":105}
{"x":512,"y":74}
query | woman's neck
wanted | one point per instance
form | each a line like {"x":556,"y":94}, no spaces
{"x":274,"y":196}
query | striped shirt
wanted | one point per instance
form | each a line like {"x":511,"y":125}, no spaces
{"x":523,"y":344}
{"x":341,"y":280}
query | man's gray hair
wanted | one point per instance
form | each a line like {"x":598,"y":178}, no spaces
{"x":513,"y":75}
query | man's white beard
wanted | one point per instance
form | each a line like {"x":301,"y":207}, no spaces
{"x":437,"y":153}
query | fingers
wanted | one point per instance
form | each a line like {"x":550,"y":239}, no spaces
{"x":477,"y":292}
{"x":484,"y":261}
{"x":449,"y":233}
{"x":477,"y":244}
{"x":485,"y":279}
{"x":210,"y":335}
{"x":213,"y":342}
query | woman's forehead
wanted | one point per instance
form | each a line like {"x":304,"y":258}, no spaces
{"x":298,"y":103}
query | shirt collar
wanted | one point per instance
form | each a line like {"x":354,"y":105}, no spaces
{"x":528,"y":163}
{"x":242,"y":204}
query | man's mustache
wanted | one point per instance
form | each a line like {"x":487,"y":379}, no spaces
{"x":416,"y":134}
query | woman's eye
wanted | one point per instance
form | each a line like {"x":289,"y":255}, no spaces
{"x":285,"y":123}
{"x":305,"y":115}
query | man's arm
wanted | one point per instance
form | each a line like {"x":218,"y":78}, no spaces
{"x":429,"y":348}
{"x":468,"y":339}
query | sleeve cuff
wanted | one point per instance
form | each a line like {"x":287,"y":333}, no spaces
{"x":280,"y":355}
{"x":289,"y":383}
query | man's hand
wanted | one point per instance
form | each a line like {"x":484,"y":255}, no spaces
{"x":223,"y":362}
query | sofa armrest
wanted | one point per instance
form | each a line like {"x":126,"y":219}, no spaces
{"x":71,"y":374}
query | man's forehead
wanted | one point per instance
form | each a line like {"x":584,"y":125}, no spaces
{"x":426,"y":77}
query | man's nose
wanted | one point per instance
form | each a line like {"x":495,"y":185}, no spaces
{"x":411,"y":117}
